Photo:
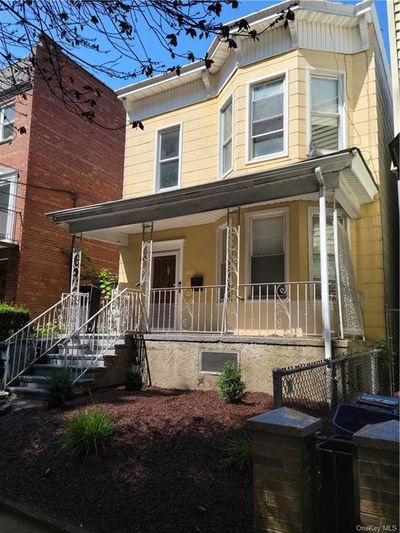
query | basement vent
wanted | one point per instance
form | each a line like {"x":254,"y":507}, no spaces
{"x":213,"y":362}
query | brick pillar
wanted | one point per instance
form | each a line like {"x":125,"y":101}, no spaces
{"x":378,"y":475}
{"x":282,"y":470}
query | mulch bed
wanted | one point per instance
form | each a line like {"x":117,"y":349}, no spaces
{"x":163,"y":471}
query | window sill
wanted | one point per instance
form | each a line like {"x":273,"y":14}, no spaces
{"x":4,"y":141}
{"x":228,"y":173}
{"x":167,"y":189}
{"x":261,"y":159}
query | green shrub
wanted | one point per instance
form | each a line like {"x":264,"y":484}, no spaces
{"x":85,"y":434}
{"x":59,"y":388}
{"x":239,"y":452}
{"x":107,"y":282}
{"x":134,"y":378}
{"x":49,"y":331}
{"x":12,"y":318}
{"x":230,"y":385}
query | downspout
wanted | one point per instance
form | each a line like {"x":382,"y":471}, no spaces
{"x":326,"y":322}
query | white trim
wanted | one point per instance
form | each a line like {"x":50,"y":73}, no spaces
{"x":229,"y":101}
{"x":156,"y":180}
{"x":340,"y":75}
{"x":249,"y":217}
{"x":2,"y":108}
{"x":283,"y":74}
{"x":12,"y":179}
{"x":314,"y":211}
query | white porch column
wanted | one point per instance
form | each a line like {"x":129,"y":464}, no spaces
{"x":146,"y":267}
{"x":326,"y":322}
{"x":337,"y":271}
{"x":230,"y":320}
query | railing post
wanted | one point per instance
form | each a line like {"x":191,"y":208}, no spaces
{"x":277,"y":387}
{"x":282,"y":470}
{"x":232,"y":272}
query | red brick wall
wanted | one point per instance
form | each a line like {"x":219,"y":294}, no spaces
{"x":66,"y":153}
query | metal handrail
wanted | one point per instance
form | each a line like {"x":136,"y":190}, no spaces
{"x":27,"y":345}
{"x":116,"y":317}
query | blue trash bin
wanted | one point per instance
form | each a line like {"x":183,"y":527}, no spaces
{"x":349,"y":418}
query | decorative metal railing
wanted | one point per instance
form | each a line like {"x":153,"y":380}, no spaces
{"x":7,"y":224}
{"x":85,"y":346}
{"x":42,"y":334}
{"x":269,"y":309}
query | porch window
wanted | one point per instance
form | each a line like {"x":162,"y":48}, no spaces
{"x":316,"y":247}
{"x":267,"y":250}
{"x":226,"y":138}
{"x":267,"y":118}
{"x":326,"y":113}
{"x":7,"y":114}
{"x":168,"y":158}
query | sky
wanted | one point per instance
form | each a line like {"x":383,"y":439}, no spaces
{"x":245,"y":7}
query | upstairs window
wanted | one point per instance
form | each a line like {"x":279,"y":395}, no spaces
{"x":168,"y":166}
{"x":326,"y":114}
{"x":226,"y":138}
{"x":267,"y":119}
{"x":7,"y":114}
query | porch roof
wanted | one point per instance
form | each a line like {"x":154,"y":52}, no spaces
{"x":345,"y":172}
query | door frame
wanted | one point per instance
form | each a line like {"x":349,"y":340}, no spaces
{"x":172,"y":247}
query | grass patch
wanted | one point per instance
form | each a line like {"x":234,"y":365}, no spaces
{"x":87,"y":433}
{"x":239,"y":452}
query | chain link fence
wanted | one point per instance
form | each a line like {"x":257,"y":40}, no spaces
{"x":317,"y":388}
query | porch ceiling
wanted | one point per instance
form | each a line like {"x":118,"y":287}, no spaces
{"x":344,"y":172}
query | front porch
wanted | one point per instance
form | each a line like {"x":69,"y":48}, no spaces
{"x":263,"y":255}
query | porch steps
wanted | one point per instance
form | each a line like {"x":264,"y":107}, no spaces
{"x":75,"y":356}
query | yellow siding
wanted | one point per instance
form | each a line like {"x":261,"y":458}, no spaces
{"x":199,"y":164}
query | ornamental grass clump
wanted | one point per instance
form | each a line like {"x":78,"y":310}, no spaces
{"x":134,"y":378}
{"x":87,"y":433}
{"x":239,"y":452}
{"x":59,"y":388}
{"x":230,"y":385}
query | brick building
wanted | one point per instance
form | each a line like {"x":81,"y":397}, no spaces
{"x":61,"y":161}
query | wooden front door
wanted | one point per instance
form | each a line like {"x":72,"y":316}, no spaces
{"x":163,"y":295}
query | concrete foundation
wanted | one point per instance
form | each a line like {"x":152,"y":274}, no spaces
{"x":174,"y":360}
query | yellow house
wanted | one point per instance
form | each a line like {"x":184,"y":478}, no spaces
{"x":253,"y":213}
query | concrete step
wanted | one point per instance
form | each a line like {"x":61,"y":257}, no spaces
{"x":79,"y":359}
{"x":47,"y":369}
{"x":40,"y":381}
{"x":26,"y":391}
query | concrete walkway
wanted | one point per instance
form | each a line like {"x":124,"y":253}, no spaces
{"x":11,"y":523}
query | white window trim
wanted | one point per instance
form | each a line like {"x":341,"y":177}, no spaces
{"x":313,"y":211}
{"x":12,"y":178}
{"x":284,"y":153}
{"x":283,"y":211}
{"x":159,"y":132}
{"x":341,"y":76}
{"x":229,"y":100}
{"x":7,"y":139}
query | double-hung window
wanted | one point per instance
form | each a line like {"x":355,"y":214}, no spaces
{"x":7,"y":114}
{"x":316,"y":245}
{"x":168,"y":164}
{"x":326,"y":113}
{"x":267,"y":262}
{"x":267,"y":122}
{"x":226,"y":138}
